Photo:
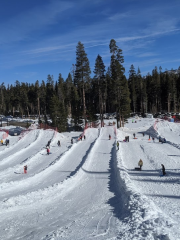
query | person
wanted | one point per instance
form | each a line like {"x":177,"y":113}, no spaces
{"x":7,"y":142}
{"x":153,"y":139}
{"x":71,"y":140}
{"x":48,"y":144}
{"x":81,"y":137}
{"x":143,"y":134}
{"x":59,"y":143}
{"x":163,"y":169}
{"x":140,"y":163}
{"x":1,"y":142}
{"x":48,"y":150}
{"x":109,"y":137}
{"x":134,"y":135}
{"x":25,"y":169}
{"x":117,"y":145}
{"x":84,"y":137}
{"x":149,"y":137}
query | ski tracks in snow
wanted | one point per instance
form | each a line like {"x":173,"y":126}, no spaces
{"x":148,"y":218}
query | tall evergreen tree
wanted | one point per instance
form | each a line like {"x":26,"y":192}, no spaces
{"x":50,"y":90}
{"x":133,"y":88}
{"x":119,"y":85}
{"x":100,"y":85}
{"x":82,"y":74}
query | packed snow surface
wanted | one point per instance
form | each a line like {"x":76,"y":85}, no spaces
{"x":90,"y":189}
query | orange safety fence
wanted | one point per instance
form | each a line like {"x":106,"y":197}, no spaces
{"x":5,"y":134}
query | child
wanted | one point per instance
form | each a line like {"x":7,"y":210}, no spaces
{"x":48,"y":151}
{"x":25,"y":169}
{"x":117,"y":145}
{"x":140,"y":163}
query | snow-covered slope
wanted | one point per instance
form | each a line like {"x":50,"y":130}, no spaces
{"x":90,"y":189}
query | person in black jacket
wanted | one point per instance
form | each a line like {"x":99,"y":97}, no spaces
{"x":163,"y":169}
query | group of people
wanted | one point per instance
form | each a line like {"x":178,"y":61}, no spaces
{"x":6,"y":142}
{"x":82,"y":137}
{"x":140,"y":164}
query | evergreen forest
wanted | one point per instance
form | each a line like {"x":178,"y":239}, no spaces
{"x":81,"y":96}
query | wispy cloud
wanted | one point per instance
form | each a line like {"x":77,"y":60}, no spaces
{"x":119,"y":16}
{"x":21,"y":26}
{"x":147,"y":54}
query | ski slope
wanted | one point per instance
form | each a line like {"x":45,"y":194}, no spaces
{"x":90,"y":189}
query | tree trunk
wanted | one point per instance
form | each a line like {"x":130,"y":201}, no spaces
{"x":38,"y":107}
{"x":169,"y":102}
{"x":84,"y":104}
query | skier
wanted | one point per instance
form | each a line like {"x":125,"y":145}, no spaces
{"x":140,"y":164}
{"x":1,"y":142}
{"x":117,"y":145}
{"x":48,"y":144}
{"x":163,"y":169}
{"x":7,"y":142}
{"x":153,"y":139}
{"x":109,"y":137}
{"x":143,"y":134}
{"x":58,"y":143}
{"x":149,"y":137}
{"x":25,"y":169}
{"x":71,"y":141}
{"x":134,"y":135}
{"x":84,"y":137}
{"x":48,"y":150}
{"x":81,"y":137}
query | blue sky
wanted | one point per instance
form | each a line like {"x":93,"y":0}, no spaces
{"x":40,"y":37}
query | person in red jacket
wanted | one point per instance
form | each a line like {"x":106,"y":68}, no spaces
{"x":25,"y":169}
{"x":48,"y":150}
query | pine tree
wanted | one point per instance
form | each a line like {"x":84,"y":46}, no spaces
{"x":50,"y":91}
{"x":119,"y":85}
{"x":2,"y":100}
{"x":82,"y":74}
{"x":58,"y":114}
{"x":133,"y":88}
{"x":68,"y":89}
{"x":100,"y":85}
